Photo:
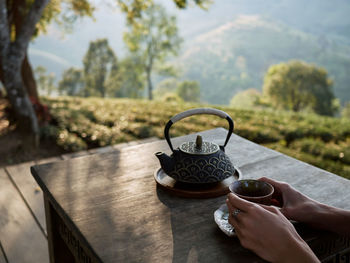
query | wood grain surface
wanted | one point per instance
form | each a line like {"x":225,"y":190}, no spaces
{"x":20,"y":236}
{"x":29,"y":190}
{"x":2,"y":255}
{"x":114,"y":205}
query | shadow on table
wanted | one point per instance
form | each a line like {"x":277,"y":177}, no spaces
{"x":196,"y":237}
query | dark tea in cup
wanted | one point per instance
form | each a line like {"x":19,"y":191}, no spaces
{"x":253,"y":190}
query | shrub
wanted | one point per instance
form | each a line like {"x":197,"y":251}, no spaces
{"x":70,"y":141}
{"x":81,"y":123}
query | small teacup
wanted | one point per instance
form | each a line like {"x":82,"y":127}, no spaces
{"x":253,"y":190}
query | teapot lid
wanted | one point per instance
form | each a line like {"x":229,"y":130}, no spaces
{"x":199,"y":147}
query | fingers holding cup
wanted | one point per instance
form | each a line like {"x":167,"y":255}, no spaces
{"x":255,"y":191}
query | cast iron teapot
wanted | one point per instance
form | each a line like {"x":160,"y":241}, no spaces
{"x":199,"y":161}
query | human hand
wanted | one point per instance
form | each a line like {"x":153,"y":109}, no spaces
{"x":265,"y":231}
{"x":294,"y":205}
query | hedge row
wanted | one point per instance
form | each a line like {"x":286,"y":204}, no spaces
{"x":92,"y":122}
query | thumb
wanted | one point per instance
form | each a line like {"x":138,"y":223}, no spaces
{"x":274,"y":209}
{"x":238,"y":202}
{"x":271,"y":181}
{"x":277,"y":197}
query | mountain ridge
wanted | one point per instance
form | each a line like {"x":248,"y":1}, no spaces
{"x":236,"y":55}
{"x":323,"y":24}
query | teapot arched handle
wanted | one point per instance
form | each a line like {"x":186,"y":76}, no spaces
{"x":197,"y":111}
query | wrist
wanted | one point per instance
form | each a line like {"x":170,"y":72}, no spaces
{"x":304,"y":254}
{"x":330,"y":218}
{"x":297,"y":250}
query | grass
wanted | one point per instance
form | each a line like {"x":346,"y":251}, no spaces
{"x":81,"y":123}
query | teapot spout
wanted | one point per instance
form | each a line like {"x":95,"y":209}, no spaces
{"x":166,"y":162}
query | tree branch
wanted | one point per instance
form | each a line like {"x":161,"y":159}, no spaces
{"x":28,"y":27}
{"x":4,"y":30}
{"x":18,"y":8}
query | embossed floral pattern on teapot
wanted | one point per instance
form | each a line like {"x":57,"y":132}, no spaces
{"x":199,"y":161}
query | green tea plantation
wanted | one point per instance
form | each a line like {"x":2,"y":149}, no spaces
{"x":83,"y":123}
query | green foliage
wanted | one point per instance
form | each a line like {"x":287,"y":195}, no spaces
{"x":235,"y":56}
{"x":249,"y":98}
{"x":72,"y":82}
{"x":167,"y":70}
{"x":66,"y":12}
{"x":63,"y":12}
{"x":152,"y":37}
{"x":45,"y":82}
{"x":100,"y":63}
{"x":85,"y":123}
{"x":128,"y":81}
{"x":346,"y":111}
{"x":168,"y":85}
{"x":134,"y":8}
{"x":326,"y":164}
{"x":189,"y":91}
{"x":299,"y":86}
{"x":339,"y":152}
{"x":202,"y":3}
{"x":68,"y":141}
{"x":171,"y":89}
{"x":171,"y":97}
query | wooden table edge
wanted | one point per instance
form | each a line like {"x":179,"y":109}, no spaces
{"x":49,"y":200}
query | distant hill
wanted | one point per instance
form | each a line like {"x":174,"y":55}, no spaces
{"x":236,"y":55}
{"x":254,"y":34}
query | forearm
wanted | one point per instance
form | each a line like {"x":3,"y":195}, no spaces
{"x":298,"y":251}
{"x":330,"y":218}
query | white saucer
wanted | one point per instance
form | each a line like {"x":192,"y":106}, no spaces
{"x":221,"y":219}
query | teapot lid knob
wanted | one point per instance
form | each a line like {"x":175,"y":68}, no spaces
{"x":199,"y":142}
{"x":199,"y":147}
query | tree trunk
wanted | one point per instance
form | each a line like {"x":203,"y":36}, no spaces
{"x":29,"y":122}
{"x":18,"y":14}
{"x":18,"y":96}
{"x":149,"y":83}
{"x":12,"y":54}
{"x":29,"y":80}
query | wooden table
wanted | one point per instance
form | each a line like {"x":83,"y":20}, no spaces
{"x":108,"y":208}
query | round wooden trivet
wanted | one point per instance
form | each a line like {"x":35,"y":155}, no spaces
{"x":195,"y":190}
